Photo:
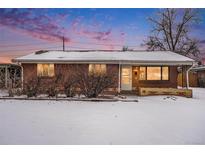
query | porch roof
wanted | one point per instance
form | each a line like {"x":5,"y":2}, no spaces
{"x":114,"y":57}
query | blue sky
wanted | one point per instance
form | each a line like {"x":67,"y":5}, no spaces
{"x":26,"y":30}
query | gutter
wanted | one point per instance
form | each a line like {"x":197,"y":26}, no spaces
{"x":126,"y":62}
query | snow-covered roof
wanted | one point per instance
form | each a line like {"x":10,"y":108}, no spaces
{"x":115,"y":57}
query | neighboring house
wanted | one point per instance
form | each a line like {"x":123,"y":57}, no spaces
{"x":134,"y":68}
{"x":196,"y":77}
{"x":10,"y":75}
{"x":199,"y":72}
{"x":182,"y":77}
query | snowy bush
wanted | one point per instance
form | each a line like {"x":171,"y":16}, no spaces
{"x":70,"y":90}
{"x":92,"y":85}
{"x":70,"y":87}
{"x":11,"y":93}
{"x":32,"y":87}
{"x":52,"y":90}
{"x":14,"y":91}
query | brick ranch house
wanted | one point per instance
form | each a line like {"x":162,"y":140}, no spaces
{"x":135,"y":69}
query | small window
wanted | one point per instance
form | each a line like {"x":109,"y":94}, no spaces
{"x":45,"y":70}
{"x":98,"y":69}
{"x":142,"y":73}
{"x":165,"y":73}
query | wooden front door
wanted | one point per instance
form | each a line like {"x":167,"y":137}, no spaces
{"x":126,"y":78}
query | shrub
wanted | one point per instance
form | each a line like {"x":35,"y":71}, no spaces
{"x":92,"y":85}
{"x":14,"y":91}
{"x":32,"y":87}
{"x":52,"y":90}
{"x":11,"y":93}
{"x":70,"y":84}
{"x":18,"y":92}
{"x":70,"y":88}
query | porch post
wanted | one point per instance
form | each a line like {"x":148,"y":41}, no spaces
{"x":182,"y":77}
{"x":6,"y":76}
{"x":119,"y":78}
{"x":187,"y":75}
{"x":22,"y":79}
{"x":187,"y":79}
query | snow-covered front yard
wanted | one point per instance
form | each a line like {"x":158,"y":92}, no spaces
{"x":152,"y":120}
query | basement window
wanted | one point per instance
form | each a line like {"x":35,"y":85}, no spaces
{"x":97,"y":69}
{"x":46,"y":70}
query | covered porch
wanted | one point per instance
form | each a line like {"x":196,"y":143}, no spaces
{"x":10,"y":76}
{"x":152,"y":79}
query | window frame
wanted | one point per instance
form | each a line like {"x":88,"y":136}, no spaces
{"x":145,"y":73}
{"x":161,"y":75}
{"x":49,"y":67}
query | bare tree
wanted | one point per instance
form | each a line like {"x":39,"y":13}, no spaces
{"x":126,"y":48}
{"x":92,"y":84}
{"x":171,"y":31}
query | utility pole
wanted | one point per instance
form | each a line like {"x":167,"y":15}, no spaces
{"x":63,"y":43}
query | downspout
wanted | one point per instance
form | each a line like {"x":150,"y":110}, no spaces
{"x":6,"y":76}
{"x":187,"y":75}
{"x":119,"y":78}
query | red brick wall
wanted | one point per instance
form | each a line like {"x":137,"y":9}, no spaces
{"x":29,"y":72}
{"x":64,"y":70}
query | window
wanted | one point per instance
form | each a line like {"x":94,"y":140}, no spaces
{"x":165,"y":72}
{"x":154,"y":73}
{"x":142,"y":73}
{"x":97,"y":69}
{"x":45,"y":70}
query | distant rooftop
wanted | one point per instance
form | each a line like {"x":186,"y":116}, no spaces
{"x":198,"y":68}
{"x":104,"y":56}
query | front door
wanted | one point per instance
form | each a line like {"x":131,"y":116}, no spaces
{"x":126,"y":78}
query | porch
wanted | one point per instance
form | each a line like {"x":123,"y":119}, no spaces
{"x":146,"y":80}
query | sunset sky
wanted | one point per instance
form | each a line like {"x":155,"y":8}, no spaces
{"x":24,"y":31}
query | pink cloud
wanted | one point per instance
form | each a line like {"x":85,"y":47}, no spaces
{"x":41,"y":26}
{"x":95,"y":35}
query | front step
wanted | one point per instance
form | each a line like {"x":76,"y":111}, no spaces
{"x":129,"y":92}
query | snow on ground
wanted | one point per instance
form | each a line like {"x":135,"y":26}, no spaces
{"x":152,"y":120}
{"x":3,"y":93}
